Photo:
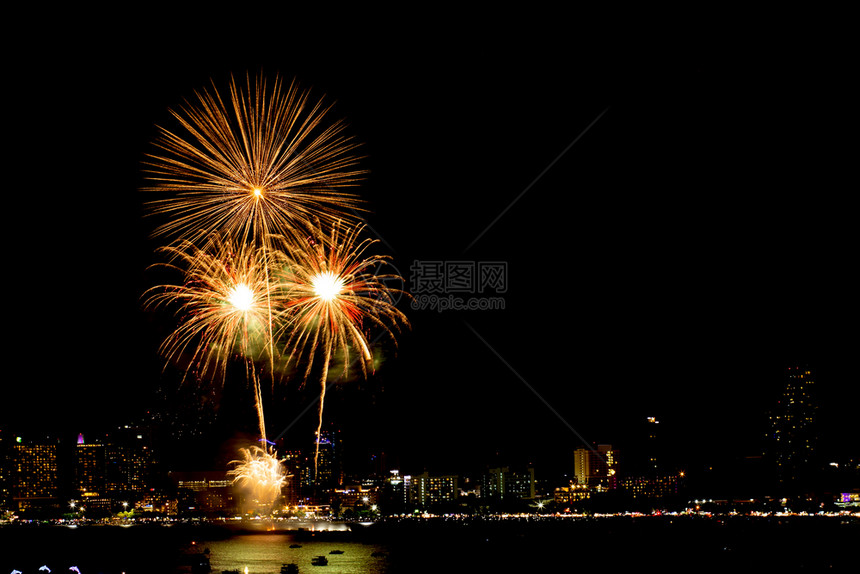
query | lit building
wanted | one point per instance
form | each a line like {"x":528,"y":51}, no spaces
{"x":596,"y":468}
{"x":328,"y":468}
{"x":792,"y":433}
{"x":115,"y":468}
{"x":570,"y":494}
{"x":6,"y":473}
{"x":127,"y":468}
{"x":129,"y":461}
{"x":199,"y":481}
{"x":356,"y":496}
{"x":35,"y":480}
{"x":652,"y":486}
{"x":294,"y":463}
{"x":155,"y":502}
{"x":405,"y":486}
{"x":848,"y":500}
{"x":653,"y":444}
{"x":89,"y":468}
{"x":205,"y":491}
{"x":499,"y":483}
{"x":94,"y":504}
{"x":428,"y":490}
{"x":394,"y":493}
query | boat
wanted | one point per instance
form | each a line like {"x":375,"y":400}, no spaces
{"x":336,"y":552}
{"x":290,"y":568}
{"x":319,"y":561}
{"x":295,"y":545}
{"x":200,"y":564}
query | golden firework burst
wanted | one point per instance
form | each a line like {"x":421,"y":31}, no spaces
{"x":334,"y":295}
{"x":260,"y":473}
{"x":223,"y":305}
{"x":262,"y":161}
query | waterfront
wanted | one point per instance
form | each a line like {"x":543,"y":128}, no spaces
{"x":680,"y":543}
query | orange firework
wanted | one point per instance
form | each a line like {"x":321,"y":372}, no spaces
{"x":333,"y":296}
{"x":223,"y":306}
{"x":260,"y":473}
{"x":262,"y":162}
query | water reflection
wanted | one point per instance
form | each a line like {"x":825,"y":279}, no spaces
{"x":267,"y":553}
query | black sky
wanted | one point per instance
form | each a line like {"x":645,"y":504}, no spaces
{"x":697,"y":238}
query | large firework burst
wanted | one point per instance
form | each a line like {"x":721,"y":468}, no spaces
{"x":223,"y":304}
{"x":334,"y":296}
{"x":262,"y":161}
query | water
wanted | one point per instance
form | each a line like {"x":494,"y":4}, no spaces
{"x":264,"y":554}
{"x":615,"y":544}
{"x":147,"y":549}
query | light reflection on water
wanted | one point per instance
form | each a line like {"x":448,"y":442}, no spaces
{"x":266,"y":553}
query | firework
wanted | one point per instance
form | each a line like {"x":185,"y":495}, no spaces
{"x":223,"y":305}
{"x":333,"y":297}
{"x":260,"y":473}
{"x":262,"y":167}
{"x":262,"y":161}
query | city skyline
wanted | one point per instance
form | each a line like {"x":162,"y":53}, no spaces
{"x":629,"y":264}
{"x":785,"y":458}
{"x":685,"y":224}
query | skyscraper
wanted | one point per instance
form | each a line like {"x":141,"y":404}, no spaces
{"x":6,"y":473}
{"x":89,"y":468}
{"x":652,"y":444}
{"x":792,"y":431}
{"x":329,"y":463}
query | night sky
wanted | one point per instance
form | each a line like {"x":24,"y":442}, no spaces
{"x":677,"y":230}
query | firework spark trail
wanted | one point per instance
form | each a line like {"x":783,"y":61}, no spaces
{"x":332,"y":295}
{"x":222,"y":304}
{"x":258,"y":399}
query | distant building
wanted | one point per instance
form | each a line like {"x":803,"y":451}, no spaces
{"x":6,"y":473}
{"x":570,"y":494}
{"x":156,"y":502}
{"x":127,"y":469}
{"x":500,"y":483}
{"x":428,"y":490}
{"x":329,"y":470}
{"x":208,"y":492}
{"x":395,"y":495}
{"x":652,"y":486}
{"x":356,"y":495}
{"x":35,"y":477}
{"x":653,"y":444}
{"x":792,"y":434}
{"x":199,"y":481}
{"x":596,"y":468}
{"x":294,"y":462}
{"x":113,"y":467}
{"x":89,"y":469}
